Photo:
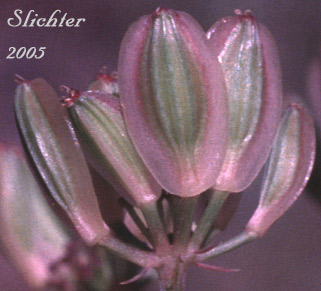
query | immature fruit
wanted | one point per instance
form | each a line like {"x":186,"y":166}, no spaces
{"x":173,"y":100}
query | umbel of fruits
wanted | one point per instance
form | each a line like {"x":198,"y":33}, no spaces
{"x":191,"y":117}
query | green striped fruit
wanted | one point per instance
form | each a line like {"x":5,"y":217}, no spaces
{"x":53,"y":146}
{"x":98,"y":119}
{"x":248,"y":56}
{"x":173,"y":100}
{"x":288,"y":170}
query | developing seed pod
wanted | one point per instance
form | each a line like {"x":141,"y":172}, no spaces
{"x":288,"y":170}
{"x":31,"y":234}
{"x":98,"y":119}
{"x":248,"y":56}
{"x":173,"y":100}
{"x":55,"y":151}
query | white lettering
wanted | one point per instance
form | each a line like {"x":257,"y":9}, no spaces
{"x":27,"y":18}
{"x":41,"y":22}
{"x":62,"y":20}
{"x":51,"y":18}
{"x":79,"y":20}
{"x":70,"y":22}
{"x":24,"y":52}
{"x":31,"y":20}
{"x":16,"y":13}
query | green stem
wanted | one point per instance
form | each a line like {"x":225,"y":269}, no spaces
{"x":180,"y":278}
{"x":173,"y":202}
{"x":131,"y":211}
{"x":139,"y":257}
{"x":210,"y":237}
{"x":208,"y":218}
{"x":184,"y":221}
{"x":156,"y":227}
{"x":162,"y":214}
{"x":227,"y":246}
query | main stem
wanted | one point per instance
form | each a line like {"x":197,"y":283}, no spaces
{"x":172,"y":275}
{"x":172,"y":270}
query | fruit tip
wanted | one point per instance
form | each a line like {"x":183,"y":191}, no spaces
{"x":71,"y":96}
{"x":107,"y":77}
{"x":247,"y":14}
{"x":160,"y":11}
{"x":19,"y":79}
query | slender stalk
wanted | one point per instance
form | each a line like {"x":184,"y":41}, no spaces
{"x":139,"y":257}
{"x":156,"y":227}
{"x":184,"y":220}
{"x":161,"y":212}
{"x":131,"y":211}
{"x":210,"y":237}
{"x":227,"y":246}
{"x":208,"y":218}
{"x":173,"y":202}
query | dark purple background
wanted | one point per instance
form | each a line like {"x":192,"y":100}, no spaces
{"x":289,"y":256}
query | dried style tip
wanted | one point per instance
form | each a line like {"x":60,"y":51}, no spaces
{"x":159,"y":12}
{"x":18,"y":79}
{"x":105,"y":82}
{"x":247,"y":54}
{"x":72,"y":95}
{"x":288,"y":169}
{"x":238,"y":12}
{"x":55,"y":151}
{"x":246,"y":13}
{"x":97,"y":117}
{"x":173,"y":100}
